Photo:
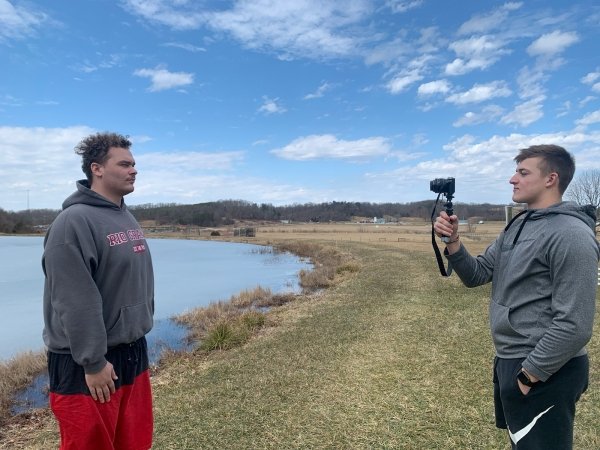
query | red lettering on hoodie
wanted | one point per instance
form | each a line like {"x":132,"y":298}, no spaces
{"x":117,"y":238}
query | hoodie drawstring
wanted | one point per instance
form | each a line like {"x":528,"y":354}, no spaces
{"x":529,"y":213}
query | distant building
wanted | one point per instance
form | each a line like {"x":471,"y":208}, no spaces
{"x":511,"y":211}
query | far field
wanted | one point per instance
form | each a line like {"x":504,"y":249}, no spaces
{"x":411,"y":234}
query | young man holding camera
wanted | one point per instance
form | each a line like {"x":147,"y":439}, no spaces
{"x":543,"y":269}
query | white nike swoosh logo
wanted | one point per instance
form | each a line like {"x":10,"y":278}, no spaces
{"x":516,"y":437}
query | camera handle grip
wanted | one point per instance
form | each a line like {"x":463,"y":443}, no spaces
{"x":438,"y":255}
{"x":450,"y":211}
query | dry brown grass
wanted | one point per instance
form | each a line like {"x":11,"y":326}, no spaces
{"x":414,"y":235}
{"x":411,"y":234}
{"x":16,"y":374}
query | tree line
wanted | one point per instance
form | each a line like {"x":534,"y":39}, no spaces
{"x":228,"y":212}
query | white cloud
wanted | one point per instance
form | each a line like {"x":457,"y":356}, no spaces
{"x":298,"y":29}
{"x":19,"y":21}
{"x":480,"y":93}
{"x":592,"y":79}
{"x":564,"y":109}
{"x":393,"y":50}
{"x":177,"y":15}
{"x":162,"y":79}
{"x":185,"y":46}
{"x":487,"y":114}
{"x":484,"y":23}
{"x":319,"y":92}
{"x":329,"y":146}
{"x":419,"y":139}
{"x":9,"y":100}
{"x":302,"y":28}
{"x":477,"y":52}
{"x":47,"y":156}
{"x":586,"y":100}
{"x":106,"y":62}
{"x":552,"y":43}
{"x":482,"y":168}
{"x":401,"y":6}
{"x":525,"y":113}
{"x":271,"y":106}
{"x":434,"y":87}
{"x":403,"y":81}
{"x":589,"y":118}
{"x":531,"y":82}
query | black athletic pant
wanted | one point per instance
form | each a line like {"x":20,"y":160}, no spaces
{"x":542,"y":419}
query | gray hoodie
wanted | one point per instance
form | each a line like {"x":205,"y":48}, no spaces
{"x":99,"y":286}
{"x":543,"y":269}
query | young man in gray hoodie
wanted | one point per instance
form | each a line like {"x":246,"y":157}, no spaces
{"x":98,"y":307}
{"x":543,"y":269}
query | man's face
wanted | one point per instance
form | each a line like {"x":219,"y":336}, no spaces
{"x":529,"y":183}
{"x":116,"y":175}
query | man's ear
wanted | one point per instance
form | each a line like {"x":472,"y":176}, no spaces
{"x":552,"y":179}
{"x":96,"y":169}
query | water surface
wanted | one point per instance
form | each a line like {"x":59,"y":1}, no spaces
{"x":188,"y":274}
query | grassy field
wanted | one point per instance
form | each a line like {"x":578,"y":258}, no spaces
{"x":391,"y":356}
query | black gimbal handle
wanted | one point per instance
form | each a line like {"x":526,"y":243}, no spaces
{"x":450,"y":211}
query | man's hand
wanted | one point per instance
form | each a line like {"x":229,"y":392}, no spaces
{"x":102,"y":384}
{"x":525,"y":389}
{"x":445,"y":225}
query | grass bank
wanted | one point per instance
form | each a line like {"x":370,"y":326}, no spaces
{"x":394,"y":356}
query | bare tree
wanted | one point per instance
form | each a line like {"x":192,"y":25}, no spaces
{"x":585,"y":189}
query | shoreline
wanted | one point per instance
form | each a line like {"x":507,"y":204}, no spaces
{"x":30,"y":396}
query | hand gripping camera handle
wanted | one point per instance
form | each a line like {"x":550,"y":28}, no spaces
{"x":450,"y":212}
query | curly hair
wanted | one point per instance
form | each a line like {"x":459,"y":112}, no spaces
{"x":554,"y":159}
{"x":94,"y":149}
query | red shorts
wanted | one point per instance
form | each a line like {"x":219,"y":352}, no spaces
{"x":123,"y":423}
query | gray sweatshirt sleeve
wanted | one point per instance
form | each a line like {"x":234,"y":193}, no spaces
{"x":473,"y":271}
{"x":573,"y":259}
{"x":74,"y":299}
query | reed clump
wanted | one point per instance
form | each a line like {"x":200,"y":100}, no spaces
{"x":223,"y":325}
{"x":328,"y":262}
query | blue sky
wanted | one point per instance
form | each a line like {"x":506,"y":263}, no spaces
{"x":300,"y":101}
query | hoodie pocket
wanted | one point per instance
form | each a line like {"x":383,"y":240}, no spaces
{"x":503,"y":333}
{"x":134,"y":321}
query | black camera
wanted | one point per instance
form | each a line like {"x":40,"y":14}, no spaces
{"x":442,"y":186}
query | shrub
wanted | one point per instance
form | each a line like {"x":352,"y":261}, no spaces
{"x":348,"y":267}
{"x":252,"y":320}
{"x":227,"y":334}
{"x":219,"y":337}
